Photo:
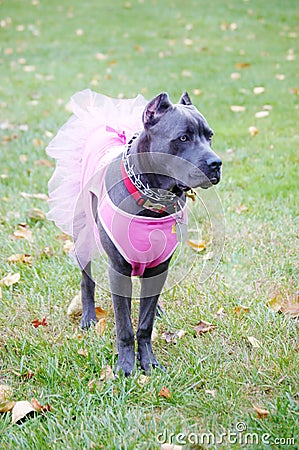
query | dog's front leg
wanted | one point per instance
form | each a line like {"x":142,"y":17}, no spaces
{"x":87,"y":298}
{"x":151,"y":285}
{"x":120,"y":283}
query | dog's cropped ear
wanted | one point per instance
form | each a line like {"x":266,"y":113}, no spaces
{"x":155,"y":109}
{"x":185,"y":99}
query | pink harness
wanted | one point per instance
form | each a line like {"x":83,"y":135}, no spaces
{"x":144,"y":242}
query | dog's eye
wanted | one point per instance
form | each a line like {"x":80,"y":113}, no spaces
{"x":184,"y":138}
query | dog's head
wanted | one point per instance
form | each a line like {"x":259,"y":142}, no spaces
{"x":179,"y":142}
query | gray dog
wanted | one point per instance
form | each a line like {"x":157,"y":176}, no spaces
{"x":147,"y":185}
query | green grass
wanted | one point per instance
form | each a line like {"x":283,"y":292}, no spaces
{"x":147,"y":52}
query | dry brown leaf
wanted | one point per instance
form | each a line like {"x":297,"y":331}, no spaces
{"x":75,"y":307}
{"x":143,"y":380}
{"x":204,"y":327}
{"x":21,"y":410}
{"x":6,"y":404}
{"x":261,"y":412}
{"x":241,"y":208}
{"x":43,"y":162}
{"x":258,"y":90}
{"x":36,"y":214}
{"x":20,"y":258}
{"x":240,"y":309}
{"x":237,"y":108}
{"x":40,"y":323}
{"x":100,"y":326}
{"x":221,"y":313}
{"x":10,"y":279}
{"x":38,"y":407}
{"x":196,"y":245}
{"x":261,"y":114}
{"x":254,"y":342}
{"x":242,"y":65}
{"x":253,"y":131}
{"x":68,"y":246}
{"x":211,"y":392}
{"x":23,"y":232}
{"x":164,"y":392}
{"x":291,"y":309}
{"x":276,"y":302}
{"x":38,"y":196}
{"x":83,"y":352}
{"x":101,"y":313}
{"x":171,"y":337}
{"x":107,"y":374}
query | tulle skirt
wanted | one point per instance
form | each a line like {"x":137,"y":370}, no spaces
{"x":85,"y":145}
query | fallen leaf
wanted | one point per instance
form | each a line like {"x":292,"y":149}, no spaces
{"x":171,"y":337}
{"x":204,"y":327}
{"x":211,"y":392}
{"x":235,"y":75}
{"x":276,"y":302}
{"x":258,"y":90}
{"x":241,"y":208}
{"x":75,"y":307}
{"x":143,"y":380}
{"x":36,"y":214}
{"x":164,"y":392}
{"x":20,"y":258}
{"x":198,"y":246}
{"x":6,"y":404}
{"x":242,"y":65}
{"x":83,"y":352}
{"x":43,"y":162}
{"x":38,"y":196}
{"x":37,"y":142}
{"x":23,"y":232}
{"x":221,"y":313}
{"x":40,"y":323}
{"x":38,"y":407}
{"x":107,"y":374}
{"x":261,"y":413}
{"x":254,"y":342}
{"x":261,"y":114}
{"x":253,"y":131}
{"x":291,"y":309}
{"x":10,"y":279}
{"x":237,"y":108}
{"x":240,"y":309}
{"x":21,"y":410}
{"x":100,"y":326}
{"x":188,"y":42}
{"x":101,"y":313}
{"x":68,"y":246}
{"x":280,"y":76}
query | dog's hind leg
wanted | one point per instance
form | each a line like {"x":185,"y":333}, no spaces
{"x":87,"y":297}
{"x":151,"y":285}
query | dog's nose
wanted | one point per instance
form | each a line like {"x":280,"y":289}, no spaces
{"x":214,"y":163}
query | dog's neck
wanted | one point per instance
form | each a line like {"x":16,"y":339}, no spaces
{"x":152,"y":184}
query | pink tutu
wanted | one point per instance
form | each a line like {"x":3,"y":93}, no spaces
{"x":98,"y":129}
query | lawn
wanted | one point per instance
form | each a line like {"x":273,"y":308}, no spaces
{"x":235,"y":385}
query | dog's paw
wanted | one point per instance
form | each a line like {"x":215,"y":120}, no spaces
{"x":125,"y":362}
{"x":147,"y":359}
{"x":87,"y":321}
